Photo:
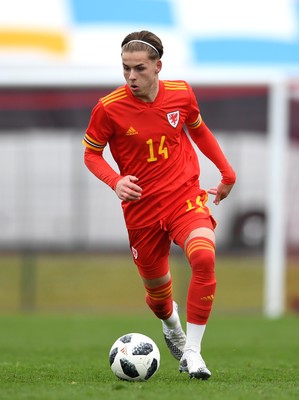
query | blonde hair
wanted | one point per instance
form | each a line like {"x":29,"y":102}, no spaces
{"x":143,"y":41}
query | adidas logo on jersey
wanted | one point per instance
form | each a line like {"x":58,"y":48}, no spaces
{"x":131,"y":131}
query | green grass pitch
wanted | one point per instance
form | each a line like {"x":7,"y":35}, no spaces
{"x":60,"y":314}
{"x":47,"y":357}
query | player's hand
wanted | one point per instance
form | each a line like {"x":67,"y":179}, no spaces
{"x":127,"y":190}
{"x":220,"y":192}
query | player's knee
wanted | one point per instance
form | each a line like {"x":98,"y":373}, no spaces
{"x":201,"y":255}
{"x":157,"y":282}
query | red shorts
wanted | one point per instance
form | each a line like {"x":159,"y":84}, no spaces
{"x":150,"y":246}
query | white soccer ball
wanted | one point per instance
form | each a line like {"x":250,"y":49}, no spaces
{"x":134,"y":357}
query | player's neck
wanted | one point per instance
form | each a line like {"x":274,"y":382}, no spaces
{"x":151,"y":95}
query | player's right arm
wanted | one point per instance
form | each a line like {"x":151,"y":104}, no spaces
{"x":95,"y":140}
{"x":127,"y":189}
{"x":97,"y":165}
{"x":124,"y":186}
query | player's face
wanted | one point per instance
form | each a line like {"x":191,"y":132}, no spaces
{"x":141,"y":74}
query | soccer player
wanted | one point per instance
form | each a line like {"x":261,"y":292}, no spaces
{"x":145,"y":123}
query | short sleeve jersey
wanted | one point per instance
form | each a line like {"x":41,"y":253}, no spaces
{"x":148,"y":140}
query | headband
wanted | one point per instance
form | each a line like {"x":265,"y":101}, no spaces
{"x":142,"y":41}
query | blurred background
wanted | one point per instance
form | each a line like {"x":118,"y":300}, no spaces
{"x":63,"y":243}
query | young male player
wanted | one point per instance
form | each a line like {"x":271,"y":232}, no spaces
{"x":145,"y":122}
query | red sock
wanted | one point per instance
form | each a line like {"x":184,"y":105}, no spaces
{"x":160,"y":300}
{"x":201,"y":254}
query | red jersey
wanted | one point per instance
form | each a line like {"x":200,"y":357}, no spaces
{"x":148,"y":140}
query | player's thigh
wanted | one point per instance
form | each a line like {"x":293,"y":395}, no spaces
{"x":192,"y":219}
{"x":150,"y":248}
{"x":202,"y":231}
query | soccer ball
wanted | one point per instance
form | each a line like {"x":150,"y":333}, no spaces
{"x":134,"y":357}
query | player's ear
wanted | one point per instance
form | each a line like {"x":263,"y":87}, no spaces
{"x":158,"y":66}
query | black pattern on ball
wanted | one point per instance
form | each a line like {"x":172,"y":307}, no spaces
{"x":112,"y":355}
{"x":129,"y":368}
{"x":152,"y":369}
{"x":142,"y":349}
{"x":126,"y":338}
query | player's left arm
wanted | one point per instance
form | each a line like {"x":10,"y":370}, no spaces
{"x":220,"y":192}
{"x":209,"y":146}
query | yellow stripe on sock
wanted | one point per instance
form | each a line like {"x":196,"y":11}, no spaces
{"x":199,"y":244}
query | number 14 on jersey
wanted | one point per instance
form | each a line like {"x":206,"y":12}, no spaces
{"x":161,"y":150}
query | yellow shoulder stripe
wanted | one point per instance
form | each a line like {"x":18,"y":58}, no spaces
{"x":114,"y":96}
{"x":175,"y":85}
